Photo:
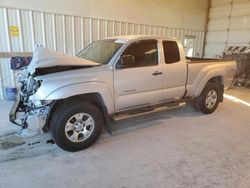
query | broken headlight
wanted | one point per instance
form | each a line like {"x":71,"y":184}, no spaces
{"x":32,"y":85}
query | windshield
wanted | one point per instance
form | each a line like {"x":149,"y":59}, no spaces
{"x":101,"y":51}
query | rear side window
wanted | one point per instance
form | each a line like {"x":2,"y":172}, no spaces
{"x":171,"y":52}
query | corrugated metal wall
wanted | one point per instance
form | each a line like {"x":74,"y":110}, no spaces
{"x":70,"y":34}
{"x":229,"y":25}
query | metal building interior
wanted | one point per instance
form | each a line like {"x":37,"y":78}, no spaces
{"x":167,"y":144}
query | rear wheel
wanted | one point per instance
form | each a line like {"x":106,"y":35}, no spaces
{"x":76,"y":125}
{"x":208,"y":101}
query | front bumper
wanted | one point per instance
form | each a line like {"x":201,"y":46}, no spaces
{"x":24,"y":115}
{"x":13,"y":112}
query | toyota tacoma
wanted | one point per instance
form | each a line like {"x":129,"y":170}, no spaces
{"x":74,"y":97}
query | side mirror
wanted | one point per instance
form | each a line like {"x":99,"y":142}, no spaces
{"x":126,"y":61}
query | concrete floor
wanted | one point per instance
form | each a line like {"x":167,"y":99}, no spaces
{"x":176,"y":148}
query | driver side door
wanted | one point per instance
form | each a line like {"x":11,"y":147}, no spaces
{"x":139,"y":83}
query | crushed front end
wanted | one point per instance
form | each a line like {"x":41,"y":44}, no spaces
{"x":30,"y":115}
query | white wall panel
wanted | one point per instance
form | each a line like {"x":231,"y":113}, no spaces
{"x":218,"y":24}
{"x":220,"y":12}
{"x":240,"y":23}
{"x":102,"y":29}
{"x":218,"y":3}
{"x":217,"y":37}
{"x":110,"y":28}
{"x":39,"y":30}
{"x":7,"y":78}
{"x":116,"y":28}
{"x":78,"y":34}
{"x":214,"y":49}
{"x":190,"y":14}
{"x":95,"y":28}
{"x":59,"y":33}
{"x":67,"y":33}
{"x":241,"y":8}
{"x":4,"y":31}
{"x":12,"y":19}
{"x":239,"y":37}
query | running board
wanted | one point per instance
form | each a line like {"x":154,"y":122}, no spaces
{"x":146,"y":110}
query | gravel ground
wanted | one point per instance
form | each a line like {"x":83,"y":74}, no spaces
{"x":175,"y":148}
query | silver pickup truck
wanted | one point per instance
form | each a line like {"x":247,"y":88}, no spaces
{"x":74,"y":97}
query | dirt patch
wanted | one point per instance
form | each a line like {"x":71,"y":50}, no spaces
{"x":30,"y":144}
{"x":13,"y":148}
{"x":9,"y":145}
{"x":10,"y":141}
{"x":50,"y":141}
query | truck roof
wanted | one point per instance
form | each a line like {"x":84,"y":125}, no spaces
{"x":135,"y":37}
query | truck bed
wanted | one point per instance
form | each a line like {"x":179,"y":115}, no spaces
{"x":204,"y":60}
{"x":199,"y":67}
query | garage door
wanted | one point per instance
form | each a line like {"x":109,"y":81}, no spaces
{"x":229,"y":25}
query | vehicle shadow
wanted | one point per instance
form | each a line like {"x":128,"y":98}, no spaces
{"x":13,"y":148}
{"x":153,"y":119}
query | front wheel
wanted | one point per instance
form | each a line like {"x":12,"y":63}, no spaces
{"x":208,"y":101}
{"x":76,"y":125}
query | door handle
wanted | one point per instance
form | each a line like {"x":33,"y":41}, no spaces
{"x":156,"y":73}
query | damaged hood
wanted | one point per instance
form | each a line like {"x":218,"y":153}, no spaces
{"x":45,"y":58}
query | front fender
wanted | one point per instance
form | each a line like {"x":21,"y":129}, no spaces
{"x":70,"y":90}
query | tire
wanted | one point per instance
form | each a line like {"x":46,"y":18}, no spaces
{"x":76,"y":125}
{"x":208,"y":101}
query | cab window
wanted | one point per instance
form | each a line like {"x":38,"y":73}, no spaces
{"x":139,"y":54}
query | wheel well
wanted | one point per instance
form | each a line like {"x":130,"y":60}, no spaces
{"x":218,"y":80}
{"x":93,"y":98}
